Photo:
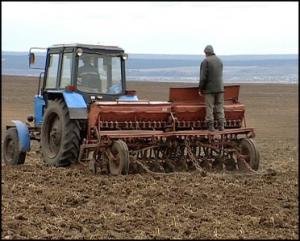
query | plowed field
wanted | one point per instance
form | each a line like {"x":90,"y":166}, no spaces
{"x":40,"y":202}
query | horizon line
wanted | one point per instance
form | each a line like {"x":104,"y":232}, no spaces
{"x":22,"y":51}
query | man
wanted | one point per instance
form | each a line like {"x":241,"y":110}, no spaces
{"x":88,"y":74}
{"x":211,"y":85}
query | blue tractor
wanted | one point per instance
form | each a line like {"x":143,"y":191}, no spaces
{"x":74,"y":76}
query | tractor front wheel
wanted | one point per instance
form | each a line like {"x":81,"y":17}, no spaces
{"x":60,"y":136}
{"x":11,"y":153}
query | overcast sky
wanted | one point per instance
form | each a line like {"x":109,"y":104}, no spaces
{"x":154,"y":27}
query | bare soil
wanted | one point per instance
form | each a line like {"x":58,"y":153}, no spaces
{"x":40,"y":202}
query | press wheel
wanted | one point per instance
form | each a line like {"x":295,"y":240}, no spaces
{"x":118,"y":158}
{"x":250,"y":153}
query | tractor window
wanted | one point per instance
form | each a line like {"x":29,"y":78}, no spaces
{"x":99,"y":74}
{"x":52,"y":71}
{"x":66,"y":70}
{"x":114,"y":79}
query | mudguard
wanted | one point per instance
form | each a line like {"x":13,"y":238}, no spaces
{"x":76,"y":105}
{"x":23,"y":135}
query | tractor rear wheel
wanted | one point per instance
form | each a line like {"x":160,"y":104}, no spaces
{"x":118,"y":161}
{"x":11,"y":153}
{"x":249,"y":149}
{"x":60,"y":136}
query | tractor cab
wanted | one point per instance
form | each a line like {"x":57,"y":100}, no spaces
{"x":96,"y":72}
{"x":80,"y":74}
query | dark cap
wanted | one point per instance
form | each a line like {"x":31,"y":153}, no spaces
{"x":209,"y":49}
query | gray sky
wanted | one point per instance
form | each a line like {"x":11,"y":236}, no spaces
{"x":154,"y":27}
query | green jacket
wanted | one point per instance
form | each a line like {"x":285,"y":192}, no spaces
{"x":211,"y":75}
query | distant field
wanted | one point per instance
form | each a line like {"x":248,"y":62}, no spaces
{"x":184,"y":68}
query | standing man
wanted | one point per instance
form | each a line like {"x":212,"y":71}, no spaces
{"x":211,"y":85}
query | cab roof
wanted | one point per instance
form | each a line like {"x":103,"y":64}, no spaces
{"x":89,"y":46}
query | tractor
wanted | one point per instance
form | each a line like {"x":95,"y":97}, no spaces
{"x":83,"y":113}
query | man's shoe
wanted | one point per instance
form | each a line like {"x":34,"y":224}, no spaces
{"x":210,"y":126}
{"x":221,"y":125}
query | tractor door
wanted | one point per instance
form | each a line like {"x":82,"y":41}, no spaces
{"x":37,"y":60}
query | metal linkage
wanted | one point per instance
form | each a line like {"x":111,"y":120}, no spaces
{"x":192,"y":157}
{"x":170,"y":151}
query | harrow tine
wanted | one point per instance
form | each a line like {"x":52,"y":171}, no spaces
{"x":151,"y":153}
{"x":145,"y":154}
{"x":193,"y":159}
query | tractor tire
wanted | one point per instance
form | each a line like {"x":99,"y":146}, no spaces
{"x":60,"y":136}
{"x":248,"y":147}
{"x":11,"y":153}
